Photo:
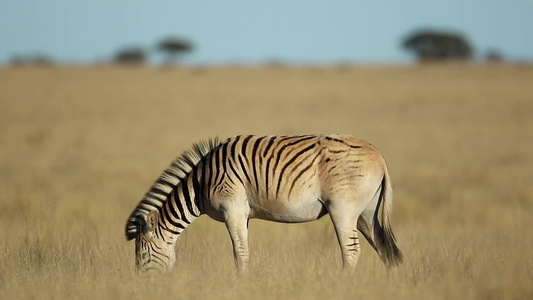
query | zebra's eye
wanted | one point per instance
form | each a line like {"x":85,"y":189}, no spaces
{"x":144,"y":255}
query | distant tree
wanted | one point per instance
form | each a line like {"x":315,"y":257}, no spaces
{"x":16,"y":61}
{"x":275,"y":63}
{"x":494,"y":56}
{"x":39,"y":60}
{"x":131,"y":56}
{"x":431,"y":45}
{"x":173,"y":47}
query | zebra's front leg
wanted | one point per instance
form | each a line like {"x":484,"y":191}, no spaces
{"x":238,"y":231}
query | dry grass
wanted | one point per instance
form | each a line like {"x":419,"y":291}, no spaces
{"x":79,"y":147}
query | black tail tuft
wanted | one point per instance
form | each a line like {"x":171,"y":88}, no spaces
{"x":390,"y":253}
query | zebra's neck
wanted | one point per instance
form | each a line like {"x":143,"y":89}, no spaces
{"x":183,"y":206}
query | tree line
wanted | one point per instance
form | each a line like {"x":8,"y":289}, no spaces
{"x":172,"y":49}
{"x":426,"y":45}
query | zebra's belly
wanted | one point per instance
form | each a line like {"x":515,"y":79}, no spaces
{"x":288,"y":211}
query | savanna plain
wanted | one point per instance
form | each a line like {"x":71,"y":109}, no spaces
{"x":79,"y":147}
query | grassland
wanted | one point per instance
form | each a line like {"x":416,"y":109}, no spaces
{"x":79,"y":147}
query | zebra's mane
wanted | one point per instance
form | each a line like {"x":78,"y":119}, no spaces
{"x":158,"y":194}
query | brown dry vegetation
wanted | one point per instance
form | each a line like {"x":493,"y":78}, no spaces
{"x":79,"y":147}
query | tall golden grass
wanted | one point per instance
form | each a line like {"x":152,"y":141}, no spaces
{"x":80,"y":147}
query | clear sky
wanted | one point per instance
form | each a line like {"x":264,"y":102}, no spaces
{"x":247,"y":31}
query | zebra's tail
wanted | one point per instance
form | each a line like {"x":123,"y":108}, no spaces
{"x":383,"y":235}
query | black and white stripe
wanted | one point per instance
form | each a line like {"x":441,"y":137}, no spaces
{"x":169,"y":186}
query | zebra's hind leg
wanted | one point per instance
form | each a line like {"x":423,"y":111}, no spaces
{"x":345,"y":223}
{"x":238,"y":231}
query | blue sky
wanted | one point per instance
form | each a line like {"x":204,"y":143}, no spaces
{"x":242,"y":31}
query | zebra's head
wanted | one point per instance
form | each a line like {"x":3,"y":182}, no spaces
{"x":153,"y":251}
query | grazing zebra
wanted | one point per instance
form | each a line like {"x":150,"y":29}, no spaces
{"x":290,"y":179}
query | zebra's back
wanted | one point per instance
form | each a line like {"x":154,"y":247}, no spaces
{"x":290,"y":178}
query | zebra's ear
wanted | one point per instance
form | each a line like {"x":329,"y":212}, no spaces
{"x":151,"y":220}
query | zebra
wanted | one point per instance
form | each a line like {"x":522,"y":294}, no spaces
{"x":288,"y":179}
